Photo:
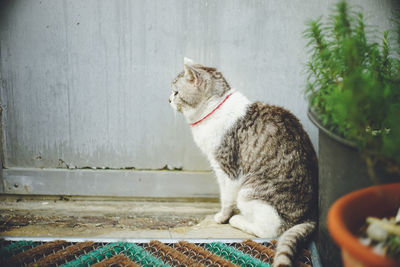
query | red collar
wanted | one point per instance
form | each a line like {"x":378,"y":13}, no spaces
{"x":209,"y":114}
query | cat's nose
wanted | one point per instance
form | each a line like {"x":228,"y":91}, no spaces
{"x":169,"y":100}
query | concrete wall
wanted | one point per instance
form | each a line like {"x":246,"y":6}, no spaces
{"x":86,"y":83}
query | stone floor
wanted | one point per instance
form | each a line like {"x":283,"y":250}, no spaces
{"x":111,"y":218}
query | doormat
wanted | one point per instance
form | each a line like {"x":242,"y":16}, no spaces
{"x":151,"y":253}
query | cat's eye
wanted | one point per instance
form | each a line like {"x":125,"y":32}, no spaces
{"x":175,"y":93}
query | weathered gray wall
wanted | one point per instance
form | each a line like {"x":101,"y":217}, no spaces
{"x":87,"y":82}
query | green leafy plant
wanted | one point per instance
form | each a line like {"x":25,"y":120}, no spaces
{"x":393,"y":247}
{"x":353,"y":83}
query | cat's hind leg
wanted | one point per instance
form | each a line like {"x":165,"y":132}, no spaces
{"x":256,"y":217}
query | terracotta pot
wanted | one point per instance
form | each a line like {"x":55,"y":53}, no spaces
{"x":348,"y":214}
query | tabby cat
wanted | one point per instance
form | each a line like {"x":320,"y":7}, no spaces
{"x":263,"y":159}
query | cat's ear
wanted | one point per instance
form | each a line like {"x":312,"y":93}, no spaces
{"x":188,"y":61}
{"x":191,"y":74}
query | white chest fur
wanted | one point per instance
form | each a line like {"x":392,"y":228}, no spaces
{"x":209,"y":133}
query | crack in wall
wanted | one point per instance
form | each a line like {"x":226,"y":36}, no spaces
{"x":64,"y":165}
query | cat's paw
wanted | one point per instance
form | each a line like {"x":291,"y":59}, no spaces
{"x":222,"y":217}
{"x":237,"y":221}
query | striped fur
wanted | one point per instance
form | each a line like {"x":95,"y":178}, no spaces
{"x":264,"y":161}
{"x":289,"y":242}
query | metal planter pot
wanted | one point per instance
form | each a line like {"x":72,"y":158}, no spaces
{"x":341,"y":171}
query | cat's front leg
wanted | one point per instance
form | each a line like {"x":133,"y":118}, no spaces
{"x":228,"y":194}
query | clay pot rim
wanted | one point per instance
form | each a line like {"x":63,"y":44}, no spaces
{"x":345,"y":238}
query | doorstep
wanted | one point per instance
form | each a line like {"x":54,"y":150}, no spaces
{"x":112,"y":218}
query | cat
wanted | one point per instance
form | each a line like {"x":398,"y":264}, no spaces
{"x":263,"y":159}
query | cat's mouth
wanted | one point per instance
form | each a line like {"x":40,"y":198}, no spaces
{"x":175,"y":107}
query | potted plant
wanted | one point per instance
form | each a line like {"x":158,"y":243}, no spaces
{"x":346,"y":218}
{"x":353,"y":88}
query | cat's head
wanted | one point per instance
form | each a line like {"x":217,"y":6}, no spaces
{"x":194,"y":87}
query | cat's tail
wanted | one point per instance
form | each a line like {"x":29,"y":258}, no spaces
{"x":289,"y":241}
